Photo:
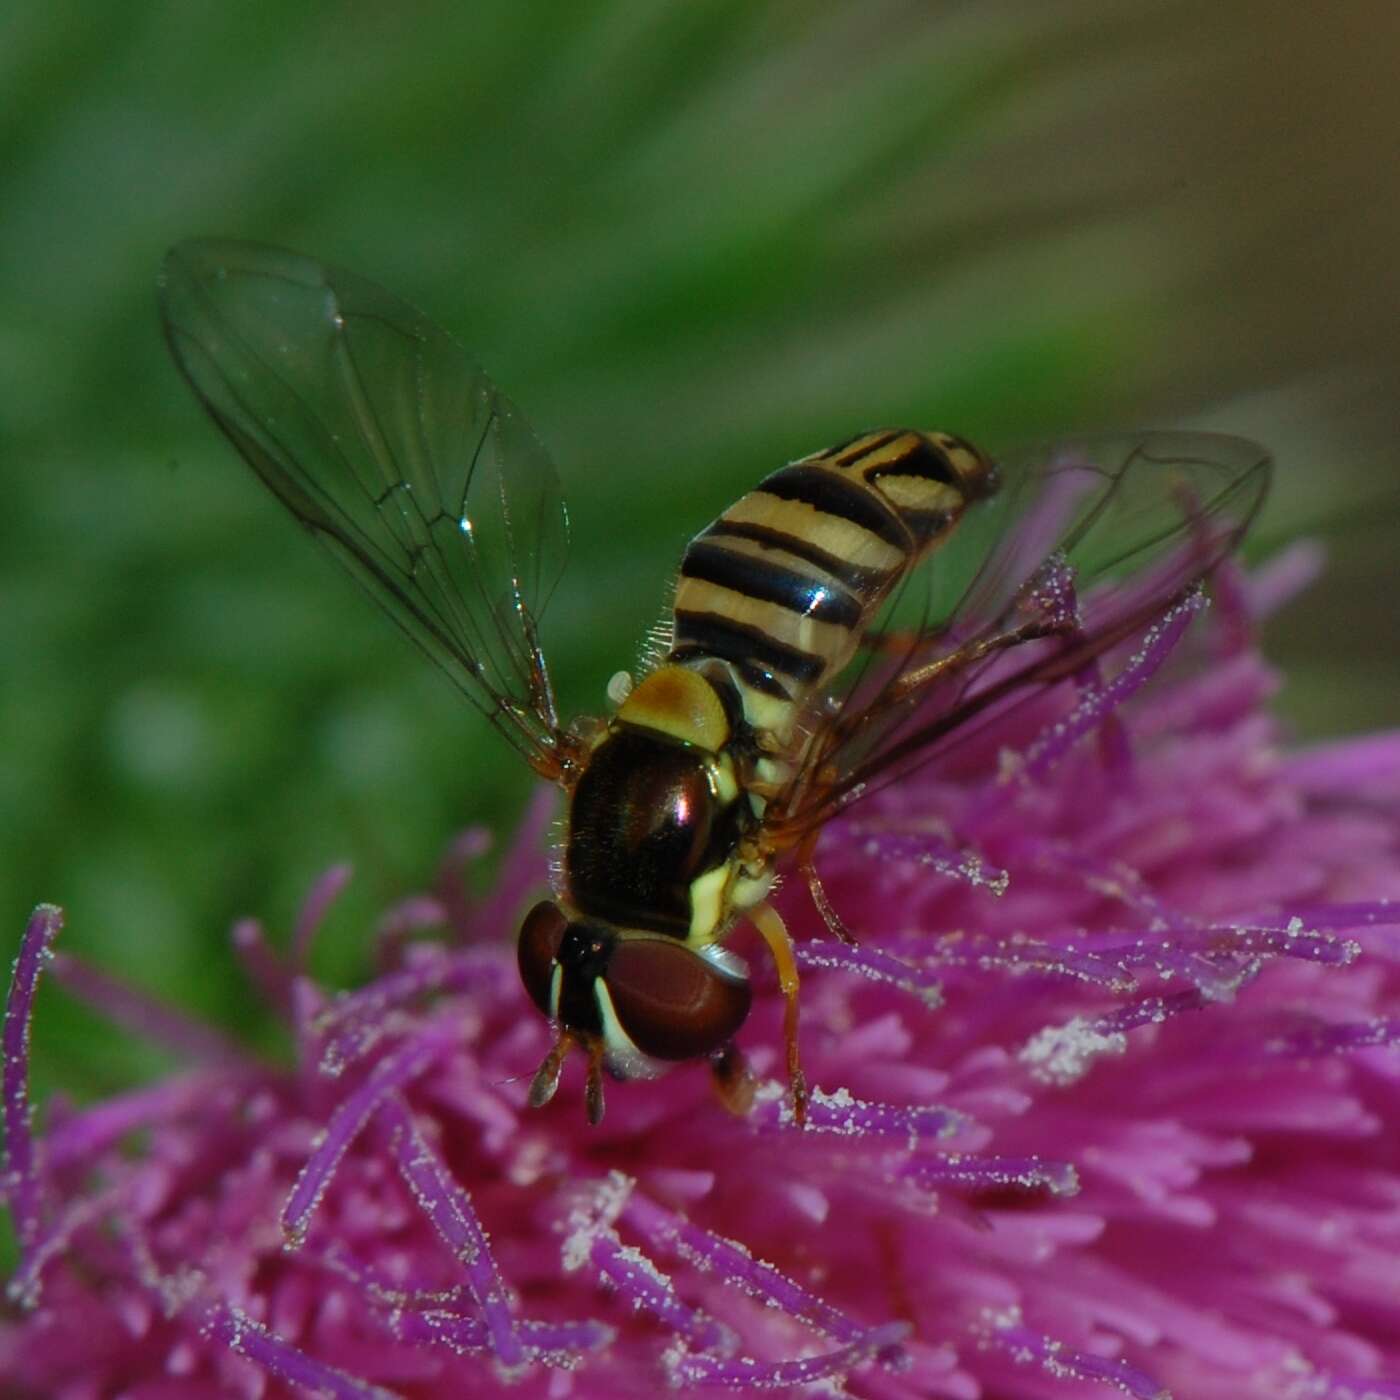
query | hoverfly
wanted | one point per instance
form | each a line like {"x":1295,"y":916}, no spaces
{"x":776,"y":701}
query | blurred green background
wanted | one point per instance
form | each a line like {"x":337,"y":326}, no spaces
{"x":693,"y":241}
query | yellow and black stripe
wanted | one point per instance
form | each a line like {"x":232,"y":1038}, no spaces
{"x":783,"y":585}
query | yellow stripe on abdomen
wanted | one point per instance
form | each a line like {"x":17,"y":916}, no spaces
{"x":785,"y":583}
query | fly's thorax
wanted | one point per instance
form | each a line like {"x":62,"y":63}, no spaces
{"x":658,"y":814}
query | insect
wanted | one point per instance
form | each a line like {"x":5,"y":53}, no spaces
{"x":787,"y":688}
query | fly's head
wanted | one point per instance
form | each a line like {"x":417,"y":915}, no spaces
{"x":632,"y":1001}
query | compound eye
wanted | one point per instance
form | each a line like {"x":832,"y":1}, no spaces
{"x":540,"y":937}
{"x":672,"y":1003}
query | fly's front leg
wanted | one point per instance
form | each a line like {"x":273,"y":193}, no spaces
{"x":733,"y":1079}
{"x":593,"y":1083}
{"x":768,"y":922}
{"x":546,"y":1080}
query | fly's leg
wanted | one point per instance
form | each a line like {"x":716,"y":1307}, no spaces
{"x":920,"y":677}
{"x":546,"y":1080}
{"x":593,"y":1084}
{"x":733,"y":1079}
{"x":1048,"y":602}
{"x":1052,"y":602}
{"x":837,"y":926}
{"x":768,"y":922}
{"x":898,"y":643}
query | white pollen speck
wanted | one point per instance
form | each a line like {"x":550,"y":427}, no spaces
{"x":1062,"y":1054}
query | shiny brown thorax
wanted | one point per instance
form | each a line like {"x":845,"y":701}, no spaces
{"x":648,"y":818}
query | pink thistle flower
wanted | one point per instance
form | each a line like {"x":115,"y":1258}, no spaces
{"x":1104,"y":1099}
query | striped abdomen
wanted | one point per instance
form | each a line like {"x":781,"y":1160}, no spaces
{"x":783,"y":585}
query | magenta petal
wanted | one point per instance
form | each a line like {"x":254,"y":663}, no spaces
{"x":411,"y":1059}
{"x":262,"y":966}
{"x":1028,"y":1348}
{"x":874,"y":964}
{"x":745,"y":1373}
{"x":245,"y":1337}
{"x":351,"y":1026}
{"x":144,"y":1015}
{"x":83,"y":1136}
{"x":313,"y":912}
{"x":22,"y":1185}
{"x":1100,"y":701}
{"x":710,"y":1252}
{"x":446,"y":1205}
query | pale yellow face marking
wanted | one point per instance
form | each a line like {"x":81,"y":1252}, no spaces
{"x":624,"y":1059}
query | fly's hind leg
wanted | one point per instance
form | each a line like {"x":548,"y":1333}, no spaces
{"x":768,"y":922}
{"x":898,"y":643}
{"x":921,"y":677}
{"x":1047,"y":604}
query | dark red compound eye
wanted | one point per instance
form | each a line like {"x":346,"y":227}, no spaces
{"x":672,"y":1003}
{"x":540,"y":937}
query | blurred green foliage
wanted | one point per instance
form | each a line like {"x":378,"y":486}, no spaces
{"x":693,"y":241}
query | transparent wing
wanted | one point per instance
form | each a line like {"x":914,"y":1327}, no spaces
{"x":388,"y":442}
{"x":1084,"y":545}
